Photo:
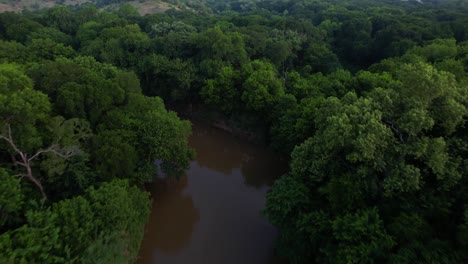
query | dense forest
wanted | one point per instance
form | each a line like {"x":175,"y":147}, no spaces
{"x":368,"y":98}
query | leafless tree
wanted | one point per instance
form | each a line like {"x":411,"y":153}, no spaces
{"x":25,"y":160}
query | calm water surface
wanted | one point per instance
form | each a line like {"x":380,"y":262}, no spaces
{"x":214,"y":214}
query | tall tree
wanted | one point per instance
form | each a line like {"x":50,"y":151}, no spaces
{"x":22,"y":112}
{"x":374,"y":165}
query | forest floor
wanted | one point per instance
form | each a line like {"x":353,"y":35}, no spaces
{"x":143,"y":7}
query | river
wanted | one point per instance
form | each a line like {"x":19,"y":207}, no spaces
{"x":213,"y":215}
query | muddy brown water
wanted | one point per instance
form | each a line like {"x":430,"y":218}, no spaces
{"x":213,"y":215}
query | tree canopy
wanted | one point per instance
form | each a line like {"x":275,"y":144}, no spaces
{"x":368,"y":98}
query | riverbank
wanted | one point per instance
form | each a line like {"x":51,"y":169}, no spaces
{"x":242,"y":126}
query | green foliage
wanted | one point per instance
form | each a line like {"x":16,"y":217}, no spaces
{"x":171,"y":79}
{"x":223,"y":90}
{"x":46,"y":49}
{"x":11,"y":199}
{"x":115,"y":156}
{"x":107,"y":221}
{"x":262,"y":88}
{"x":36,"y":242}
{"x":437,"y":93}
{"x":437,"y":50}
{"x":289,"y":198}
{"x":53,"y":34}
{"x":333,"y":84}
{"x":378,"y":164}
{"x":62,"y":18}
{"x":294,"y":125}
{"x":165,"y":28}
{"x":160,"y":135}
{"x":21,"y":106}
{"x":359,"y":238}
{"x":365,"y":81}
{"x":11,"y":51}
{"x":121,"y":46}
{"x":372,"y":161}
{"x":218,"y":45}
{"x":79,"y":91}
{"x":16,"y":27}
{"x":74,"y":124}
{"x":321,"y":59}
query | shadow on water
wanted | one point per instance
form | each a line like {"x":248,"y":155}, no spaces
{"x":258,"y":169}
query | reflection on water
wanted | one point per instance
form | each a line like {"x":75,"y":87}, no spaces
{"x":167,"y":220}
{"x":215,"y":154}
{"x":214,"y":214}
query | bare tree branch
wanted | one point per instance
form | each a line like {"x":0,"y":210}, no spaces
{"x":21,"y":176}
{"x":11,"y":142}
{"x":392,"y":126}
{"x":63,"y":152}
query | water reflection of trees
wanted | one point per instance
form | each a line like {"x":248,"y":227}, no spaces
{"x":172,"y":219}
{"x":262,"y":168}
{"x":216,"y":150}
{"x":222,"y":152}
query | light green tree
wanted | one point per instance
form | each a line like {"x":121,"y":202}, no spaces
{"x":261,"y":87}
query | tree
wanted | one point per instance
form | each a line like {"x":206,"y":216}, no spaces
{"x":22,"y":112}
{"x":169,"y":79}
{"x":437,"y":50}
{"x":11,"y":51}
{"x":320,"y":58}
{"x":261,"y":86}
{"x":360,"y":238}
{"x":218,"y":45}
{"x":46,"y":49}
{"x":333,"y":84}
{"x":16,"y":27}
{"x":11,"y":199}
{"x":62,"y":18}
{"x":353,"y":39}
{"x":375,"y":164}
{"x":294,"y":125}
{"x":122,"y":46}
{"x":156,"y":134}
{"x":115,"y":154}
{"x":22,"y":107}
{"x":53,"y":34}
{"x":222,"y":92}
{"x":26,"y":160}
{"x":282,"y":46}
{"x":82,"y":229}
{"x":173,"y":40}
{"x":85,"y":88}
